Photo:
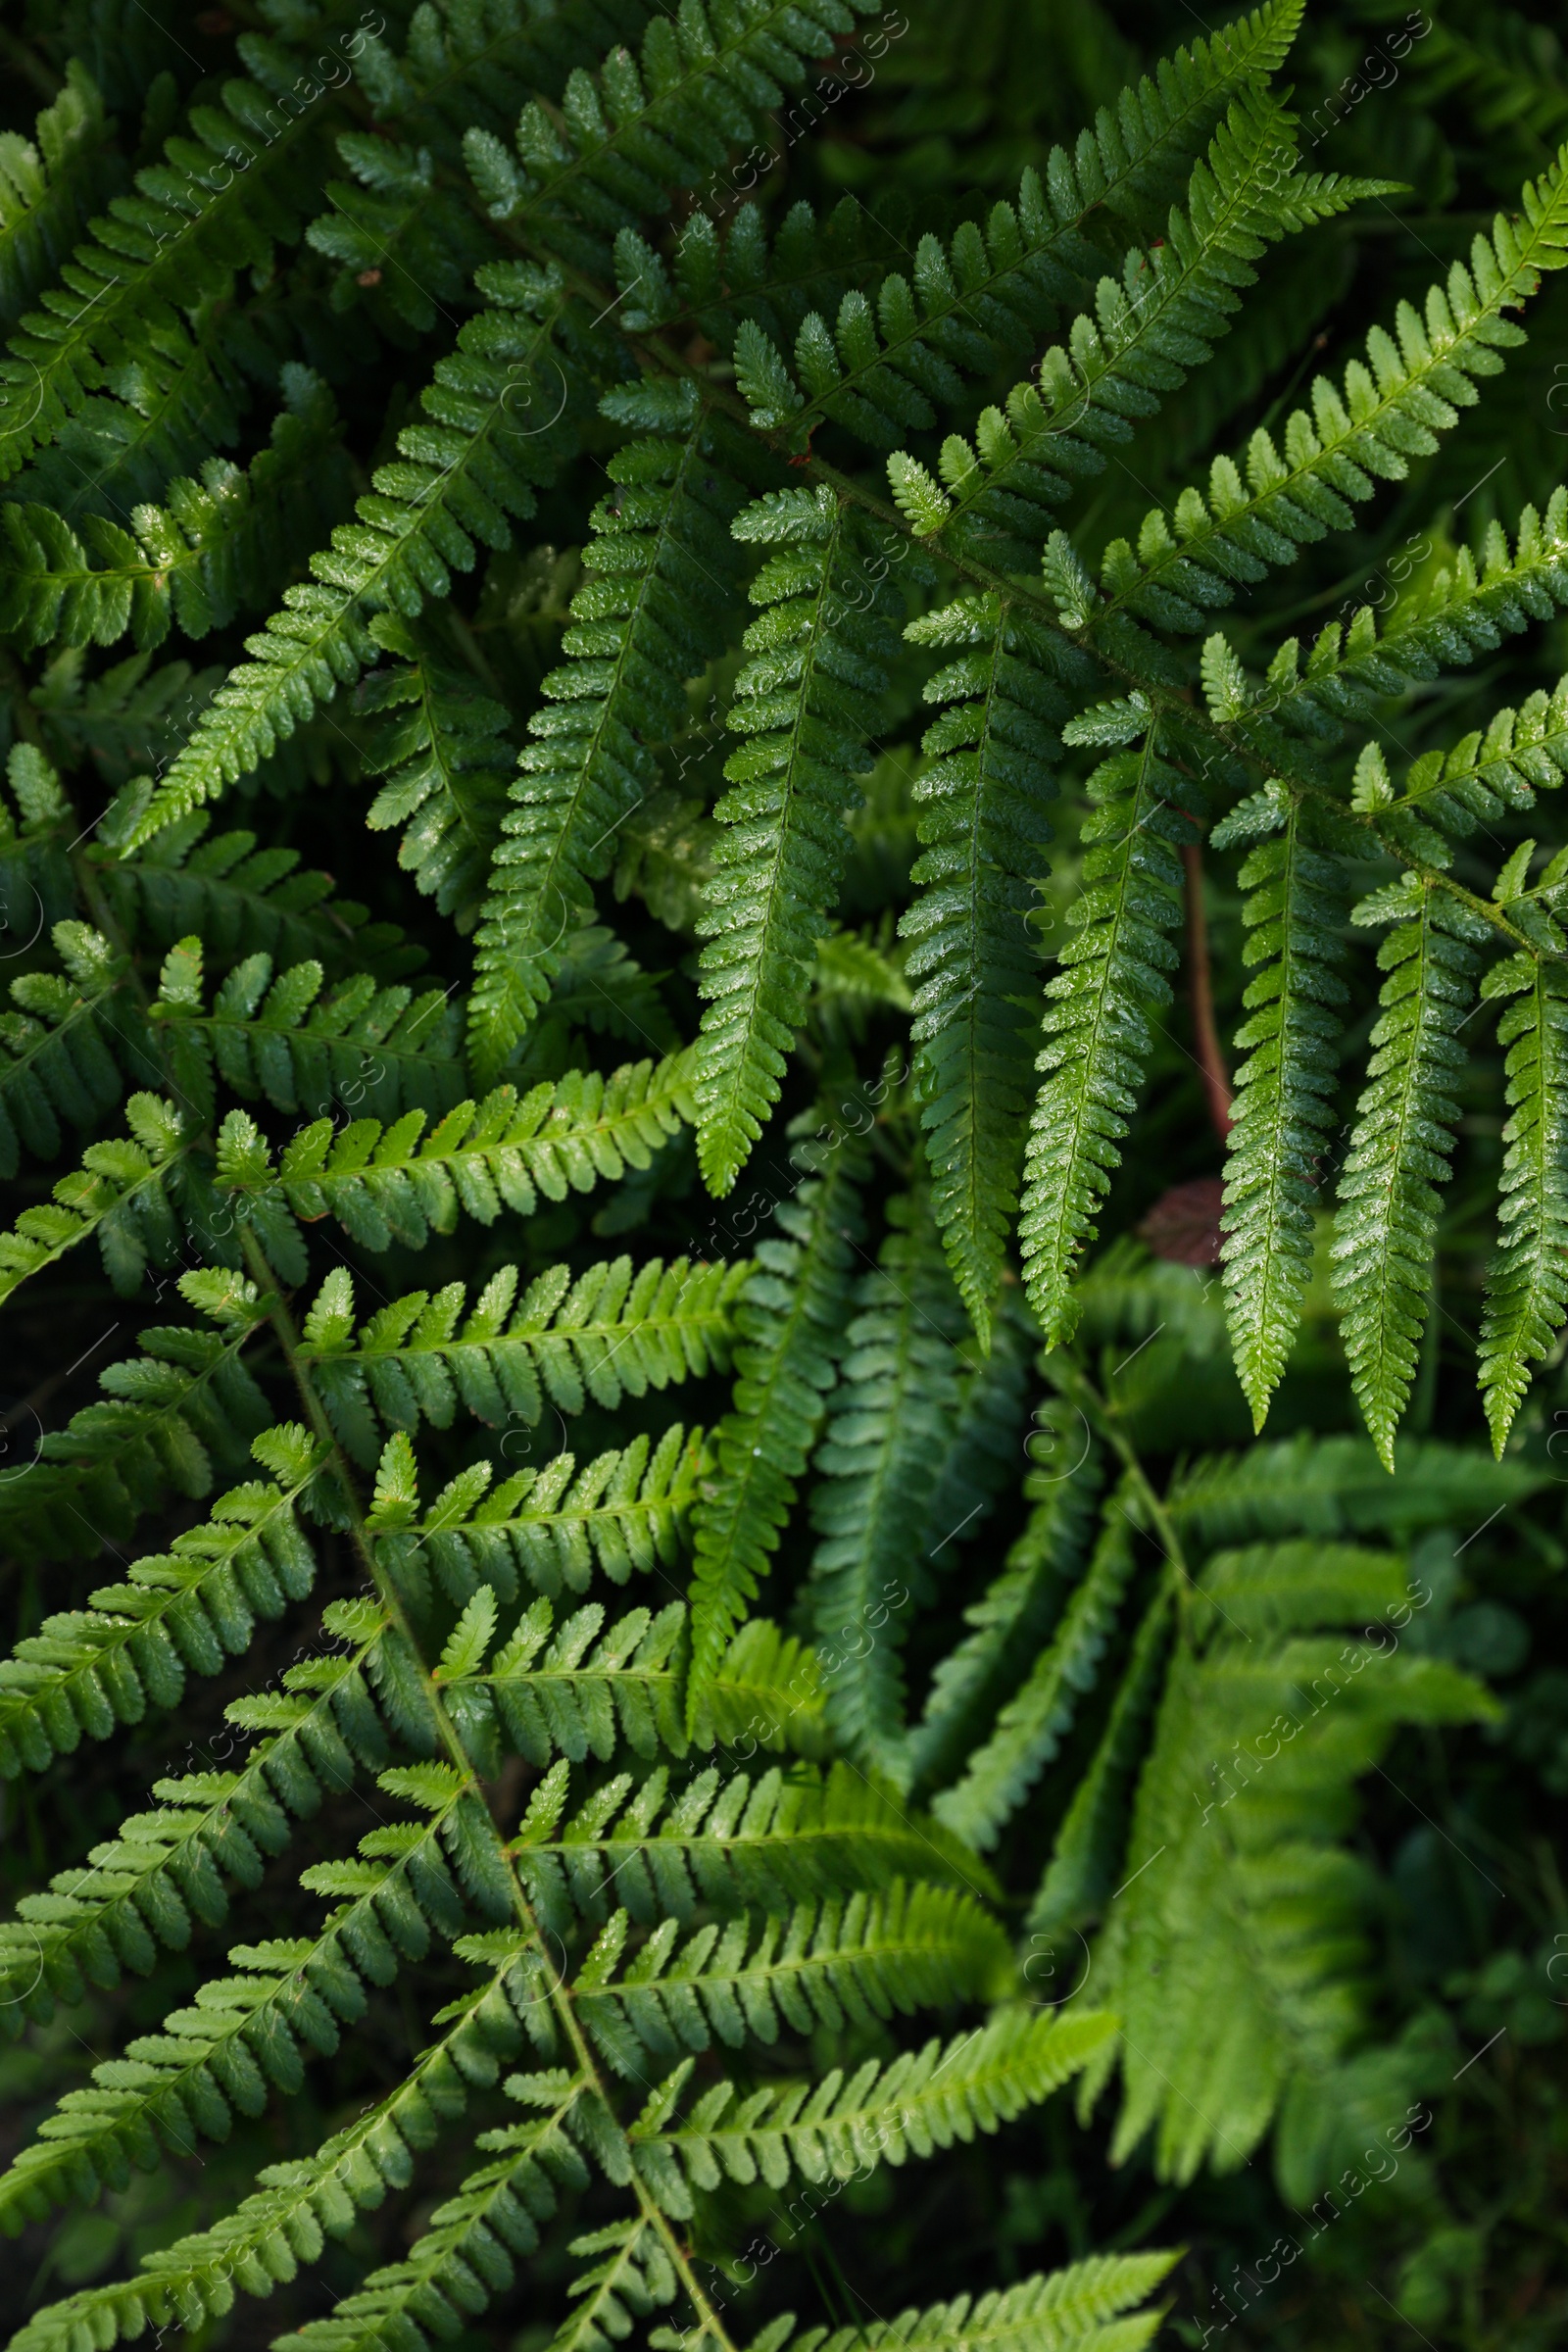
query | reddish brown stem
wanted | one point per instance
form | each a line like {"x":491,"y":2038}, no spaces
{"x":1210,"y":1058}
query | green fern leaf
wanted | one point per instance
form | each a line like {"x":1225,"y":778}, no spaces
{"x":242,"y":900}
{"x":461,"y":474}
{"x":1172,"y":304}
{"x":650,"y":615}
{"x":48,"y":191}
{"x":1387,"y":1223}
{"x":1007,"y":1625}
{"x":400,"y":1182}
{"x":1527,"y":1283}
{"x":184,"y":1407}
{"x":260,"y":2243}
{"x":1336,"y":1486}
{"x":1031,"y":1727}
{"x":982,"y":834}
{"x":1389,"y":413}
{"x":983,"y":302}
{"x":890,"y":1421}
{"x":1097,"y":1008}
{"x":384,"y":1048}
{"x":1234,"y":1952}
{"x":1076,"y":2307}
{"x":1283,"y":1112}
{"x":732,"y":1843}
{"x":823,"y":1964}
{"x":440,"y":745}
{"x":627,"y":1508}
{"x":216,"y":546}
{"x":245,"y":2031}
{"x":178,"y":241}
{"x":121,"y":1193}
{"x":605,"y":1336}
{"x":806,"y":700}
{"x":1086,"y":1856}
{"x":166,"y":1869}
{"x":765,"y":1691}
{"x":60,"y":1050}
{"x":931,"y":2096}
{"x":85,"y":1671}
{"x":788,"y":1318}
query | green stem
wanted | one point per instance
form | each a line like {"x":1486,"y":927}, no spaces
{"x":1103,"y":1417}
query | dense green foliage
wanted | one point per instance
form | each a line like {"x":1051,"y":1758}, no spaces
{"x":828,"y":1446}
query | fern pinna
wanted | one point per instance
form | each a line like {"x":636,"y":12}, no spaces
{"x":819,"y":709}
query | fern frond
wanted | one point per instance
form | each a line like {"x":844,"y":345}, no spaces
{"x":1336,"y":1486}
{"x":825,"y":1964}
{"x":182,"y":1407}
{"x":1031,"y":1727}
{"x":725,"y":272}
{"x":635,"y":2277}
{"x":396,"y":225}
{"x":462,"y":474}
{"x":667,"y":857}
{"x":979,"y":1467}
{"x":1097,"y":1008}
{"x":650,"y":613}
{"x":1522,"y":753}
{"x":466,"y":2254}
{"x":402,"y":1183}
{"x":1237,"y":1952}
{"x":47,"y":191}
{"x":244,"y":900}
{"x":85,"y":1671}
{"x":982,"y":832}
{"x":788,"y":1319}
{"x":1386,"y":1227}
{"x":578,"y":1697}
{"x":442,"y":747}
{"x":625,"y":1510}
{"x":1283,"y":1112}
{"x":166,"y":1868}
{"x":177,"y":243}
{"x":623,"y":142}
{"x":463,"y":68}
{"x":1412,"y":387}
{"x":763,"y":1844}
{"x":924,"y":2099}
{"x":1527,"y":1282}
{"x":1125,"y":1294}
{"x":602,"y":989}
{"x":608,"y":1335}
{"x":383,"y":1048}
{"x":766,"y":1687}
{"x":1007,"y":1623}
{"x":1086,"y":1857}
{"x":285,"y":2220}
{"x":62,"y":1050}
{"x":1457,"y":615}
{"x":981,"y":307}
{"x":246,"y":2032}
{"x":984,"y":299}
{"x":806,"y":700}
{"x":121,"y":1193}
{"x":856,"y":971}
{"x":1076,"y":2307}
{"x":34,"y":843}
{"x":216,"y":546}
{"x":1173,"y":304}
{"x":890,"y":1421}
